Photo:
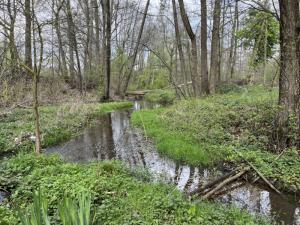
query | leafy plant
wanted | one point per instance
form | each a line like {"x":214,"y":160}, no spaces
{"x":37,"y":213}
{"x":70,"y":212}
{"x":118,"y":197}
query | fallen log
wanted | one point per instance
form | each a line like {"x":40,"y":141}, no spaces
{"x":228,"y":190}
{"x":225,"y":182}
{"x":213,"y":183}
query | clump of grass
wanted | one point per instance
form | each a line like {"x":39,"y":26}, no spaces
{"x":205,"y":132}
{"x":161,"y":96}
{"x":116,"y":196}
{"x":58,"y":123}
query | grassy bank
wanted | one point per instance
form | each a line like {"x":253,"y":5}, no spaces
{"x":58,"y":123}
{"x":118,"y":195}
{"x":209,"y":131}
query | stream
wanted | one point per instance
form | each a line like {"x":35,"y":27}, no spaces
{"x":112,"y":137}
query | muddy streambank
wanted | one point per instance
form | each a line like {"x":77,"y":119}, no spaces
{"x":112,"y":137}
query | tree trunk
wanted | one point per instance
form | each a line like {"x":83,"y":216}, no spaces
{"x":192,"y":36}
{"x":107,"y":47}
{"x":204,"y":69}
{"x":97,"y":30}
{"x":62,"y":53}
{"x":215,"y":48}
{"x":36,"y":74}
{"x":222,"y":59}
{"x":28,"y":48}
{"x":289,"y":68}
{"x":233,"y":43}
{"x":71,"y":43}
{"x":179,"y":47}
{"x":136,"y":47}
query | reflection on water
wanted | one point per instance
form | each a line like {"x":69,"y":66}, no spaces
{"x":112,"y":137}
{"x":3,"y":196}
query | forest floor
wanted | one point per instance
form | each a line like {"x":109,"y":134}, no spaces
{"x":119,"y":195}
{"x":58,"y":123}
{"x":224,"y":128}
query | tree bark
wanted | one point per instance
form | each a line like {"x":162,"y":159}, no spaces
{"x":62,"y":53}
{"x":71,"y":44}
{"x":36,"y":74}
{"x":289,"y":68}
{"x":136,"y":47}
{"x":204,"y":69}
{"x":192,"y":36}
{"x":233,"y":43}
{"x":179,"y":46}
{"x":28,"y":47}
{"x":215,"y":47}
{"x":107,"y":47}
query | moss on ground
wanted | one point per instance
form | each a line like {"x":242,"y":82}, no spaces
{"x":211,"y":130}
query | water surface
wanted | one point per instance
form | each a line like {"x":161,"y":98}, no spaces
{"x":112,"y":137}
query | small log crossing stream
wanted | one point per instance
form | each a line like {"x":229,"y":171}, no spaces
{"x":112,"y":137}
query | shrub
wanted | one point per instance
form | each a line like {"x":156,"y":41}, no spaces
{"x":160,"y":96}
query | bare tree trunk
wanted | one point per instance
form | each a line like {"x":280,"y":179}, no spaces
{"x":179,"y":46}
{"x":192,"y":36}
{"x":36,"y":74}
{"x":136,"y":48}
{"x":97,"y":30}
{"x":12,"y":13}
{"x":289,"y":68}
{"x":215,"y":48}
{"x":107,"y":47}
{"x":62,"y":53}
{"x":28,"y":21}
{"x":222,"y":43}
{"x":233,"y":43}
{"x":71,"y":43}
{"x":204,"y":69}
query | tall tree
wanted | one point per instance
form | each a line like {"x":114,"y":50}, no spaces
{"x":204,"y":69}
{"x":136,"y":47}
{"x":28,"y":22}
{"x":179,"y":47}
{"x":215,"y":47}
{"x":57,"y":26}
{"x":73,"y":47}
{"x":107,"y":47}
{"x":192,"y":36}
{"x":233,"y":42}
{"x":289,"y":79}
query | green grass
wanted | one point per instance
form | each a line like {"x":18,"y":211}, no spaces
{"x":117,"y":195}
{"x":206,"y":131}
{"x":58,"y":123}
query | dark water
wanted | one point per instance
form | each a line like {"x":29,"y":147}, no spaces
{"x":112,"y":137}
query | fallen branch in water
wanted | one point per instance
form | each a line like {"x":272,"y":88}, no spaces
{"x":230,"y":189}
{"x":225,"y":182}
{"x":258,"y":172}
{"x":211,"y":184}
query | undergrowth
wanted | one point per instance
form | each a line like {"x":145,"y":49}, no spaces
{"x":117,"y":196}
{"x":58,"y":123}
{"x":160,"y":96}
{"x":209,"y":131}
